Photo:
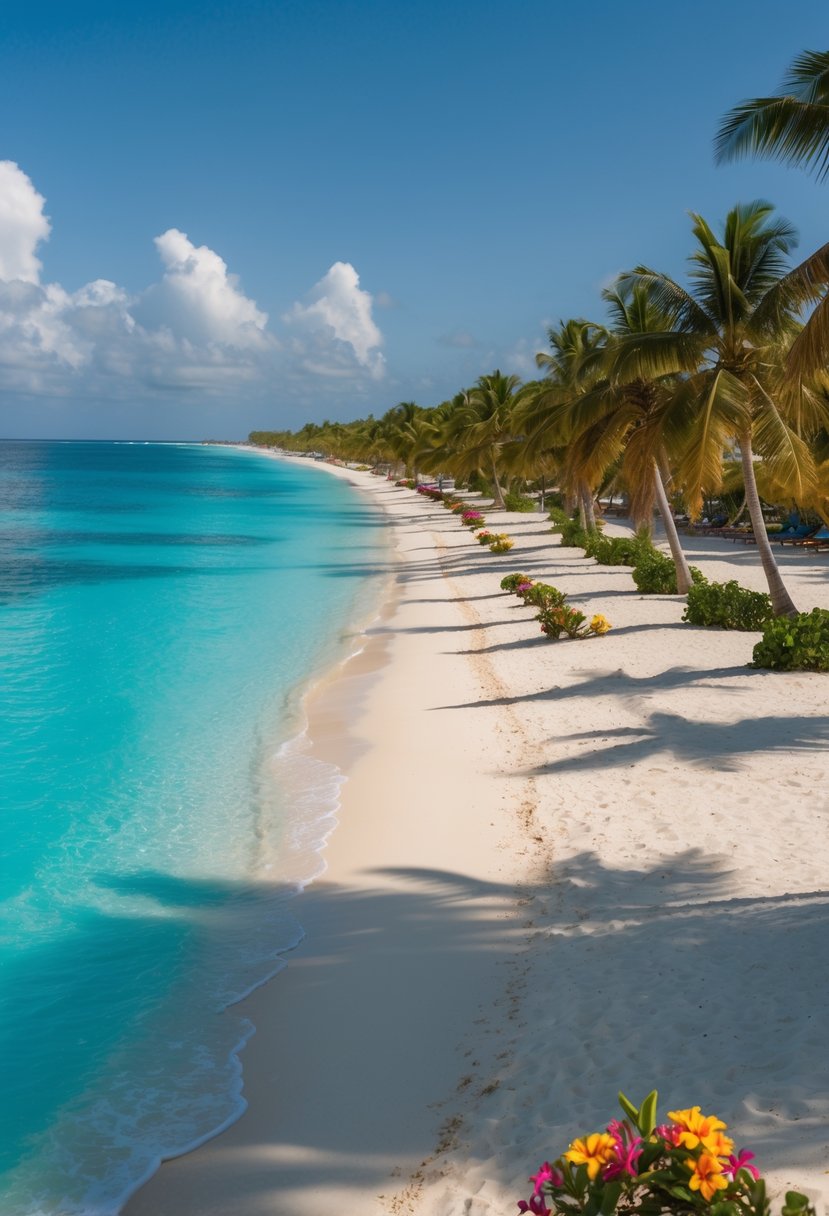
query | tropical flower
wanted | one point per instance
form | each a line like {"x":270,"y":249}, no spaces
{"x":547,"y":1173}
{"x":696,"y":1129}
{"x":593,"y":1151}
{"x":741,"y":1162}
{"x":536,"y":1205}
{"x":628,"y":1150}
{"x":706,"y":1175}
{"x":600,"y":624}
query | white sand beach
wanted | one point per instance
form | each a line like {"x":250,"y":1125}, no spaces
{"x":562,"y":869}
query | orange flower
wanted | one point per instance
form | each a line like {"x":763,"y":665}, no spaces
{"x":593,"y":1151}
{"x":697,"y":1129}
{"x":706,"y":1176}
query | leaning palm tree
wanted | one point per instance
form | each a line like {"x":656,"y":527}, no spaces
{"x":793,"y":126}
{"x":728,"y":343}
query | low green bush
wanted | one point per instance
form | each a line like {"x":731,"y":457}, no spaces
{"x":573,"y":535}
{"x":655,"y":574}
{"x":795,"y":643}
{"x":728,"y":605}
{"x":618,"y":550}
{"x":517,"y":502}
{"x":558,"y":516}
{"x":511,"y":581}
{"x":542,"y":595}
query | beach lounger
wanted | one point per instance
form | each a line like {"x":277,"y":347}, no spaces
{"x":816,"y":540}
{"x":803,"y":535}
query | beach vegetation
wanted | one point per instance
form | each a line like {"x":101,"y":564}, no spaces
{"x":541,"y":595}
{"x":558,"y":619}
{"x":619,"y":550}
{"x":500,"y":543}
{"x":513,"y":501}
{"x":510,"y":582}
{"x":727,"y":605}
{"x":472,"y":519}
{"x":799,"y":643}
{"x":686,"y":1165}
{"x":484,"y":537}
{"x":655,"y":574}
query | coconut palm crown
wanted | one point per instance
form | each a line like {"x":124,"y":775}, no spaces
{"x":727,"y":341}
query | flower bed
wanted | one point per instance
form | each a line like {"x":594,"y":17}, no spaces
{"x":472,"y":519}
{"x":685,"y":1166}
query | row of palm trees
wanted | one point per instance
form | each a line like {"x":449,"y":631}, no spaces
{"x":677,"y":377}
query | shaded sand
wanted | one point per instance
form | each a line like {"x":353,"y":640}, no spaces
{"x":562,"y":869}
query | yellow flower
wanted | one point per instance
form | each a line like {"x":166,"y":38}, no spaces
{"x":706,"y":1175}
{"x":600,"y":624}
{"x":719,"y":1145}
{"x":593,"y":1151}
{"x":701,"y":1129}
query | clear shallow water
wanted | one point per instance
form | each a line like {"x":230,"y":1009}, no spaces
{"x":160,"y":608}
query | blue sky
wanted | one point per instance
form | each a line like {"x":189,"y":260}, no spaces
{"x":305,"y":210}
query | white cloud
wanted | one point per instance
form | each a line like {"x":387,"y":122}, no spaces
{"x":22,"y":225}
{"x":336,"y":329}
{"x":197,"y":299}
{"x":192,"y":331}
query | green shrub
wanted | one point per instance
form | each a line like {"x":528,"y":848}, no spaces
{"x":479,"y":485}
{"x":517,"y":502}
{"x":561,"y":618}
{"x":655,"y":574}
{"x":728,"y":605}
{"x":542,"y":595}
{"x":559,"y":517}
{"x":795,"y":643}
{"x":573,"y":535}
{"x":619,"y":550}
{"x":511,"y":581}
{"x":500,"y":543}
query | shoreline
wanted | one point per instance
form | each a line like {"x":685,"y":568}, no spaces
{"x":408,"y":1058}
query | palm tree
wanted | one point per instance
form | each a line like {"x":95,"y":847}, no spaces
{"x":572,"y":368}
{"x":481,"y":423}
{"x":793,"y":126}
{"x":727,"y":342}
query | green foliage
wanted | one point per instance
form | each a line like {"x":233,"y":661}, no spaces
{"x":558,"y":516}
{"x":517,"y":502}
{"x":655,"y":574}
{"x":619,"y":550}
{"x":560,"y":618}
{"x":728,"y":605}
{"x":477,"y":484}
{"x":573,"y":535}
{"x":511,"y":581}
{"x":799,"y":643}
{"x":542,"y":595}
{"x":499,"y":542}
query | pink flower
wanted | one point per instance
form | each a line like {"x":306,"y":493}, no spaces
{"x":536,"y":1206}
{"x":547,"y":1173}
{"x":741,"y":1162}
{"x":670,"y":1133}
{"x":628,"y":1149}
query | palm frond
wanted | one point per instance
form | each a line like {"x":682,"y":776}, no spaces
{"x":787,"y":455}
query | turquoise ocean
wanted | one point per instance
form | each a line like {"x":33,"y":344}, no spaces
{"x":162,"y":609}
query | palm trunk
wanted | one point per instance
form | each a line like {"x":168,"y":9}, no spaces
{"x":588,"y":515}
{"x":781,"y":601}
{"x":498,"y":504}
{"x":683,"y":573}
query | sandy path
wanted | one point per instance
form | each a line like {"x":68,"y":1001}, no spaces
{"x":663,"y":810}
